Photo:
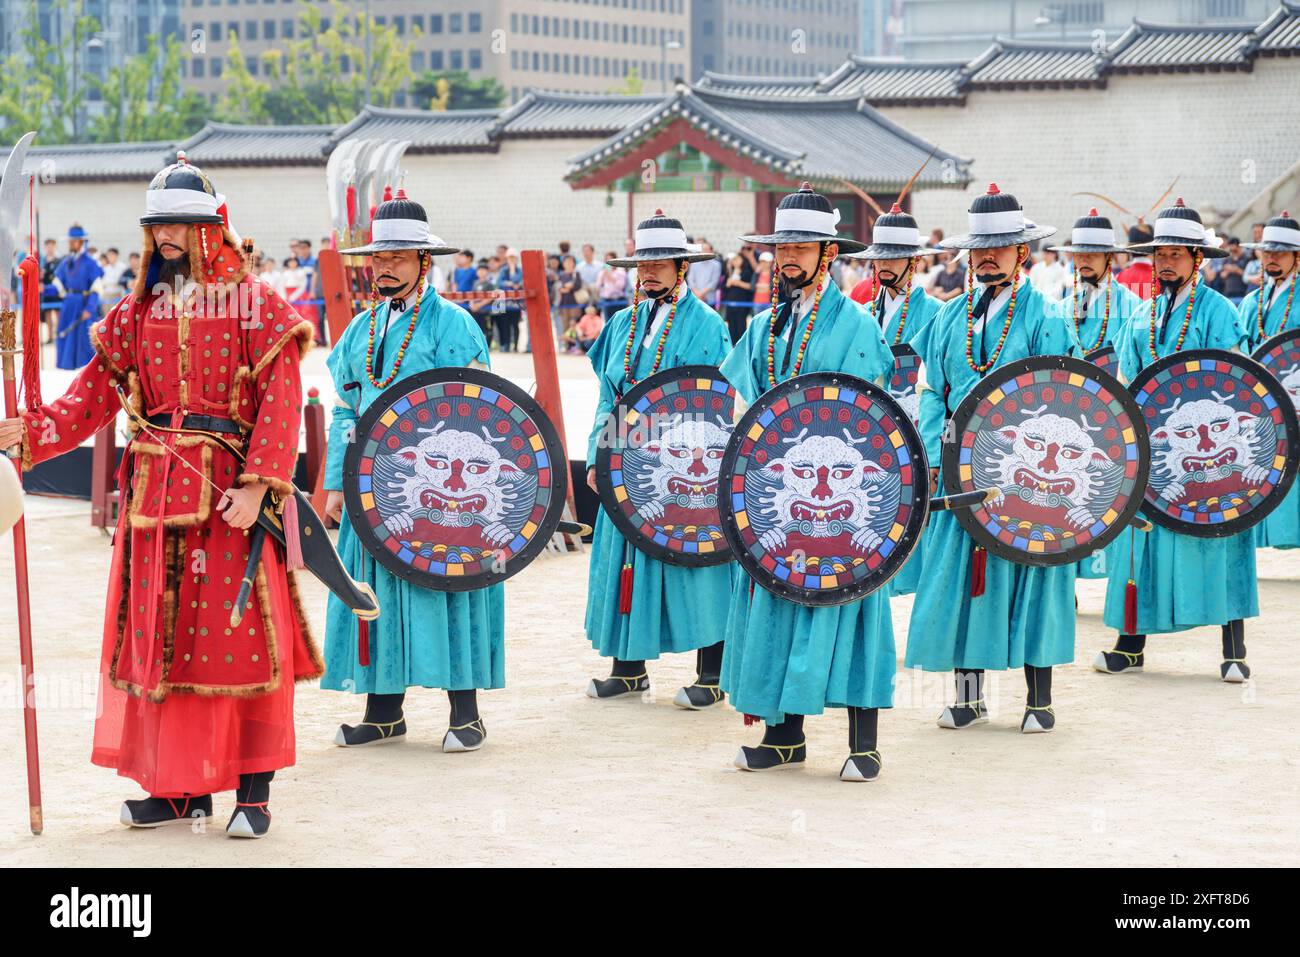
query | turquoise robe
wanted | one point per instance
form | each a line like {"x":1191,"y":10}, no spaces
{"x":1124,"y":304}
{"x":1183,"y":581}
{"x":784,"y":658}
{"x":1026,"y":614}
{"x":422,"y":638}
{"x":921,"y":309}
{"x":1281,"y":527}
{"x":674,"y":608}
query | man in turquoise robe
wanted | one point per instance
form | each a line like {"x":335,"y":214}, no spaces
{"x":422,"y":638}
{"x":1025,"y":615}
{"x":1183,"y":581}
{"x":784,"y":660}
{"x":903,"y":310}
{"x":1267,"y":311}
{"x":674,"y":608}
{"x":1097,"y":310}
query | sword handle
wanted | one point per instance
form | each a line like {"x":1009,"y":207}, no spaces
{"x":973,"y":499}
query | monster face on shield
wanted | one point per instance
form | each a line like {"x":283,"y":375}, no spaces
{"x":1202,"y":443}
{"x":452,"y":487}
{"x":673,"y":478}
{"x":823,"y":496}
{"x":1047,"y":468}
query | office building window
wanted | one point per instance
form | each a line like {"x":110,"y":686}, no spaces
{"x":417,"y":61}
{"x":197,"y":71}
{"x":455,"y":21}
{"x":457,"y":60}
{"x":268,"y":29}
{"x":399,"y":24}
{"x":476,"y":59}
{"x":216,"y":68}
{"x":476,"y":23}
{"x":286,"y":29}
{"x":435,"y":60}
{"x":417,"y":22}
{"x":250,"y":30}
{"x":214,"y":32}
{"x":435,"y":23}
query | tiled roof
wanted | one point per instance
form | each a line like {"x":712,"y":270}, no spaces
{"x":427,"y":131}
{"x":757,"y":86}
{"x":884,"y":81}
{"x":226,"y":144}
{"x":96,"y":161}
{"x":1152,"y":47}
{"x":540,"y":113}
{"x":1031,"y":63}
{"x":1279,"y":35}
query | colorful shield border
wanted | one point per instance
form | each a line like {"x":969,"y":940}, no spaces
{"x":1148,"y":384}
{"x":907,"y":370}
{"x":1036,"y":371}
{"x":863,"y":578}
{"x":552,"y":490}
{"x":1105,"y":359}
{"x":609,"y":461}
{"x":1273,"y":351}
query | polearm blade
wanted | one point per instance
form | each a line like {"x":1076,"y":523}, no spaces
{"x":11,"y":205}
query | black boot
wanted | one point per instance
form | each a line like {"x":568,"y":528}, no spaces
{"x":864,"y":762}
{"x":466,"y":731}
{"x":1127,"y":655}
{"x":158,"y":811}
{"x":705,"y":692}
{"x":782,"y":747}
{"x":626,"y":677}
{"x":1234,"y":669}
{"x":252,"y":816}
{"x":969,"y":708}
{"x":1039,"y":716}
{"x":383,"y":723}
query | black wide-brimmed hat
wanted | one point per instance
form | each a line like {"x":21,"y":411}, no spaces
{"x":181,"y":193}
{"x":894,"y":235}
{"x":806,"y":217}
{"x":1281,"y":235}
{"x":1180,"y":225}
{"x":996,"y":220}
{"x":1139,"y":233}
{"x":1093,"y":233}
{"x":401,"y":223}
{"x":661,"y":237}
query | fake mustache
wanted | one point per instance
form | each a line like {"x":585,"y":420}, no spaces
{"x":171,"y":246}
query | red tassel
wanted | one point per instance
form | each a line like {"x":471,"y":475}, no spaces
{"x":363,"y":643}
{"x":1131,"y":608}
{"x":30,"y":271}
{"x":625,"y":590}
{"x":292,"y":543}
{"x":979,"y":561}
{"x":751,"y":719}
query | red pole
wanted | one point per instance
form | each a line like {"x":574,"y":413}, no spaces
{"x":336,"y":292}
{"x":541,"y":336}
{"x":8,"y":347}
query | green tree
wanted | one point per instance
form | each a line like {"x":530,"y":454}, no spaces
{"x":132,"y":115}
{"x":41,"y":91}
{"x":462,"y":92}
{"x":632,"y":83}
{"x":245,"y":97}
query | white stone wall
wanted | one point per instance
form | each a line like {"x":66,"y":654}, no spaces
{"x":1226,"y":135}
{"x":721,"y":218}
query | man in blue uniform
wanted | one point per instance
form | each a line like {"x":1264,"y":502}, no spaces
{"x":1267,"y":311}
{"x":424,"y":638}
{"x":1021,"y":615}
{"x":75,"y":276}
{"x":1182,"y":581}
{"x":783,"y":660}
{"x":1097,"y":309}
{"x":671,"y":608}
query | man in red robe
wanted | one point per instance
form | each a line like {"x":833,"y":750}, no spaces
{"x":190,"y":702}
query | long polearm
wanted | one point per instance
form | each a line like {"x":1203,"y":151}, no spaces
{"x":13,"y":186}
{"x":8,"y":344}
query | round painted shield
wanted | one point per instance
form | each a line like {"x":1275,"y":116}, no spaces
{"x":1224,"y":441}
{"x":1280,"y":355}
{"x":902,"y":384}
{"x":455,"y":480}
{"x":826,"y":489}
{"x":1104,"y":358}
{"x":1061,"y":441}
{"x":657,"y":464}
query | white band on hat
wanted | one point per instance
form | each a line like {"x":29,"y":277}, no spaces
{"x":1092,"y":236}
{"x":993,"y":224}
{"x":896,"y":236}
{"x":661,"y":237}
{"x":1281,"y":234}
{"x":401,"y":230}
{"x":807,"y":221}
{"x":186,"y":202}
{"x":1182,"y":228}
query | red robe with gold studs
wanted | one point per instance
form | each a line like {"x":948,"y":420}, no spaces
{"x":188,"y":701}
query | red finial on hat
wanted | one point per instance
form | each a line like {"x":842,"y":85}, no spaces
{"x":180,"y":157}
{"x":993,"y":189}
{"x":1092,"y":211}
{"x":895,"y":208}
{"x":1285,"y":214}
{"x":388,"y":193}
{"x":659,"y":212}
{"x":805,"y":185}
{"x":401,"y":192}
{"x":1179,"y":202}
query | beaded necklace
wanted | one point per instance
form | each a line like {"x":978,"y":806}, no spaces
{"x":807,"y":334}
{"x":907,"y":297}
{"x":1286,"y":313}
{"x":406,"y":340}
{"x":1187,"y":317}
{"x":982,"y":368}
{"x":1105,"y":319}
{"x":663,"y":336}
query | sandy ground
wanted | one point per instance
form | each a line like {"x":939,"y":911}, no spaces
{"x":1171,"y":767}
